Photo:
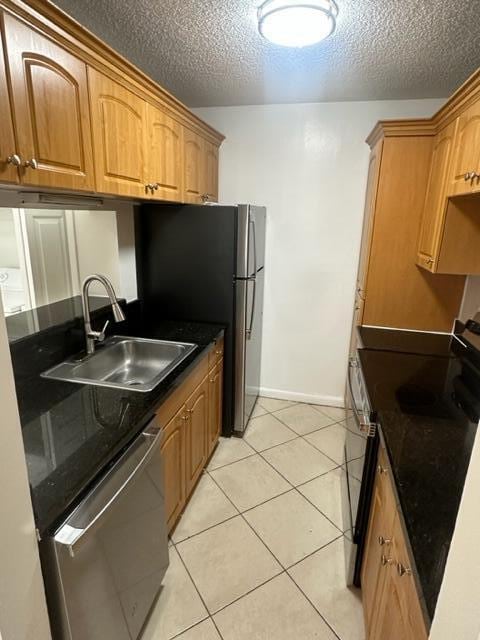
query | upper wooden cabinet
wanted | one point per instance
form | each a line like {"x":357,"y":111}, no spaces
{"x":8,"y":148}
{"x":119,"y":134}
{"x":465,"y":169}
{"x":396,"y":189}
{"x":368,"y":216}
{"x":436,"y":198}
{"x":449,"y":236}
{"x":194,"y":167}
{"x":211,"y":171}
{"x":74,"y":115}
{"x":201,"y":169}
{"x":50,"y":108}
{"x":164,"y":144}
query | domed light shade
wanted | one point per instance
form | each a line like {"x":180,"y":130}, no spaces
{"x":297,"y":23}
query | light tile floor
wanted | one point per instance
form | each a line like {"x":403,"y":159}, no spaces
{"x":259,"y":552}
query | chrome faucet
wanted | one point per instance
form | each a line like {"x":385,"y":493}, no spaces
{"x":98,"y":336}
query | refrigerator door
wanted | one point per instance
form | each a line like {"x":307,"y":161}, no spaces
{"x":250,"y":240}
{"x":248,"y":347}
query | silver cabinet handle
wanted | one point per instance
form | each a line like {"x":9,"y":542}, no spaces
{"x":384,"y":541}
{"x":14,"y":159}
{"x":468,"y":176}
{"x":382,"y":470}
{"x":155,"y":186}
{"x":402,"y":570}
{"x":207,"y":197}
{"x":149,"y":187}
{"x":32,"y":163}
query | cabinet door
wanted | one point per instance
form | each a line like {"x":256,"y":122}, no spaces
{"x":196,"y":434}
{"x":413,"y":620}
{"x":369,"y":214}
{"x":399,"y":614}
{"x":8,"y":170}
{"x":50,"y":105}
{"x":165,"y":155}
{"x":390,"y":624}
{"x":378,"y":550}
{"x":194,"y":166}
{"x":436,"y":199}
{"x":466,"y":154}
{"x":118,"y":125}
{"x":211,"y":171}
{"x":215,"y":405}
{"x":173,"y":455}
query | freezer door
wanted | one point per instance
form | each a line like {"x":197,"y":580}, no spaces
{"x":248,"y":348}
{"x":250,"y":240}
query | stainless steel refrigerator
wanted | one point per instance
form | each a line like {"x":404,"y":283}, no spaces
{"x":206,"y":264}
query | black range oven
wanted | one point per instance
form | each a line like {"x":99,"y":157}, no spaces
{"x":361,"y":450}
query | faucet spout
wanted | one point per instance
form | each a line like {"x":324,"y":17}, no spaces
{"x":98,"y":336}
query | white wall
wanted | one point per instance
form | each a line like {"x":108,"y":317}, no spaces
{"x":97,"y":248}
{"x":23,"y":614}
{"x":457,"y":616}
{"x":307,"y":163}
{"x":8,"y":243}
{"x":471,"y":299}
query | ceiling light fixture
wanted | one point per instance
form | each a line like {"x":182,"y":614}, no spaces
{"x":296,"y":23}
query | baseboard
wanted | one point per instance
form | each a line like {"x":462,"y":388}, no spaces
{"x":294,"y":396}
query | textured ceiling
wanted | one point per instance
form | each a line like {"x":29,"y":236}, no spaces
{"x":209,"y":52}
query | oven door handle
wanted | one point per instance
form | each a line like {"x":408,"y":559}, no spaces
{"x":72,"y":536}
{"x":365,"y":425}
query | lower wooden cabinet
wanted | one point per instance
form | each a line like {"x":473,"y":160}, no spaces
{"x":192,"y":419}
{"x":173,"y":455}
{"x":390,"y":600}
{"x":196,"y":429}
{"x":215,"y":393}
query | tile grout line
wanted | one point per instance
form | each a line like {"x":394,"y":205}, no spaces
{"x":314,"y":607}
{"x":199,"y":595}
{"x":284,"y":570}
{"x":300,"y":493}
{"x":241,"y":514}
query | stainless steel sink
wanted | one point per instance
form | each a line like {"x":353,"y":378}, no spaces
{"x":136,"y":364}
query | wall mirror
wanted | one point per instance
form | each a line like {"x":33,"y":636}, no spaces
{"x":46,"y":253}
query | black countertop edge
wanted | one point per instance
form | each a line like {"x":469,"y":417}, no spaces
{"x":88,"y":409}
{"x":428,"y":446}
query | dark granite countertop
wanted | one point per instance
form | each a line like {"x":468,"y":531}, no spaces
{"x":73,"y":432}
{"x":425,"y":392}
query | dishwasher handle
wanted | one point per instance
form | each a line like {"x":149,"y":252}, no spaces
{"x":84,"y":520}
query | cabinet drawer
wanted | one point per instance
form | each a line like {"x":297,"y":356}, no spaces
{"x":216,"y":353}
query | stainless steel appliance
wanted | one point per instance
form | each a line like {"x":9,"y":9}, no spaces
{"x":360,"y":467}
{"x":206,"y":264}
{"x":104,"y":565}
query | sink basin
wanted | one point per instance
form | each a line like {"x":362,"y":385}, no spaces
{"x":136,"y":364}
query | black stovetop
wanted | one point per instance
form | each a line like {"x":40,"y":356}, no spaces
{"x":425,"y":389}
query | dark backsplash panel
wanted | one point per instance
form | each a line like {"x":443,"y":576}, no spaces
{"x":60,"y":335}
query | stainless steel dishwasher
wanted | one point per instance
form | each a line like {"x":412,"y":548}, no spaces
{"x":104,"y":566}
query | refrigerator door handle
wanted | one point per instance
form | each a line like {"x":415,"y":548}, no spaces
{"x":254,"y":237}
{"x":252,"y":313}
